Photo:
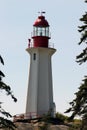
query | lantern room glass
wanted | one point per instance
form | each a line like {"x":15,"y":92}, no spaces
{"x":41,"y":31}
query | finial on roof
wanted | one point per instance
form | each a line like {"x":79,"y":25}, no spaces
{"x":42,"y":12}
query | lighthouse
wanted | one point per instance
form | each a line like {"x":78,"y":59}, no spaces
{"x":40,"y":87}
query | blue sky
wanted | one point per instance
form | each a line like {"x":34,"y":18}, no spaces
{"x":16,"y":20}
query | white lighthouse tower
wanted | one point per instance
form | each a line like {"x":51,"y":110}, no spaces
{"x":40,"y":88}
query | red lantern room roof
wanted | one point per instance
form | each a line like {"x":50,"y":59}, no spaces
{"x":41,"y":22}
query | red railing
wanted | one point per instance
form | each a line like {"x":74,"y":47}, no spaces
{"x":30,"y":115}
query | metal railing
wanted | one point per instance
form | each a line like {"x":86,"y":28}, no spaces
{"x":30,"y":115}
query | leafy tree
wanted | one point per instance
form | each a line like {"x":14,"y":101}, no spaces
{"x":4,"y":121}
{"x":79,"y":104}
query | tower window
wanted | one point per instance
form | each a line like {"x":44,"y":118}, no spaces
{"x":34,"y":56}
{"x":41,"y":31}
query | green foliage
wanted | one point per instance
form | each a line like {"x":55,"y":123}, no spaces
{"x":82,"y":57}
{"x":4,"y":122}
{"x":79,"y":104}
{"x":48,"y":119}
{"x":62,"y":117}
{"x":4,"y":86}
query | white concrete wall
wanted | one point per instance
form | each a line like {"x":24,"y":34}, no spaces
{"x":40,"y":89}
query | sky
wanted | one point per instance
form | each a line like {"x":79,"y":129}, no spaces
{"x":16,"y":24}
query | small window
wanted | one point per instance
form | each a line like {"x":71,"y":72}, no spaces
{"x":34,"y":56}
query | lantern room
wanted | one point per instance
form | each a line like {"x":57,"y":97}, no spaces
{"x":41,"y":33}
